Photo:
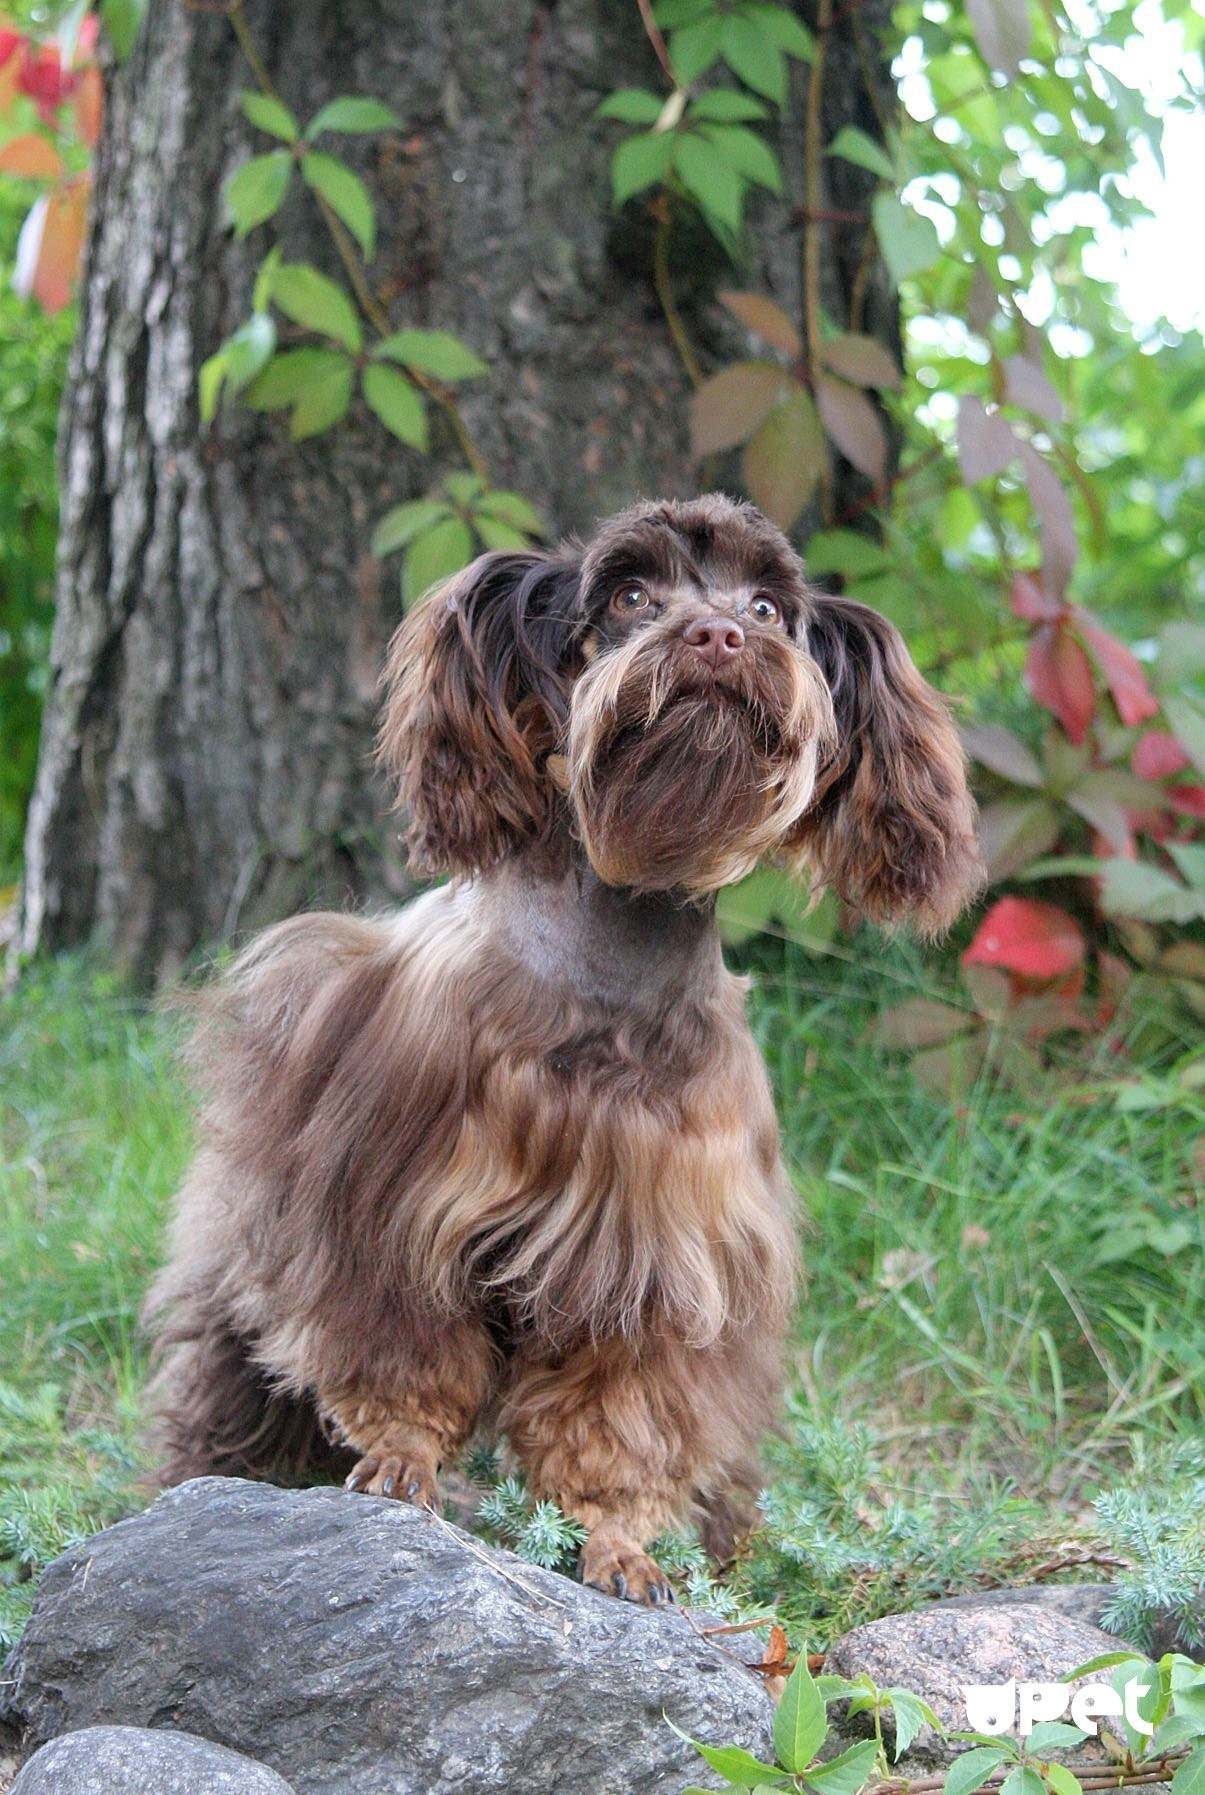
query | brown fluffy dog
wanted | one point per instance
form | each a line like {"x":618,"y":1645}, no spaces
{"x":512,"y":1151}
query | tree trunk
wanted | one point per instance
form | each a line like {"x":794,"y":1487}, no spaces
{"x":205,"y":758}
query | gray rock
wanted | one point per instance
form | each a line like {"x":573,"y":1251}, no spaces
{"x":938,"y":1650}
{"x":362,"y":1646}
{"x":1087,"y":1602}
{"x":134,"y":1760}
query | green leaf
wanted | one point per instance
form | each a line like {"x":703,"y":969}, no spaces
{"x":845,"y":552}
{"x":122,"y":20}
{"x":727,"y":106}
{"x":288,"y":374}
{"x":435,"y":352}
{"x":1053,"y":1735}
{"x":1107,"y":1661}
{"x":669,"y":14}
{"x":970,"y":1771}
{"x":354,"y":115}
{"x":753,"y":55}
{"x":911,"y":1713}
{"x":1022,"y":1781}
{"x":261,"y":292}
{"x":404,"y":522}
{"x":323,"y":401}
{"x":312,"y":299}
{"x":270,"y":115}
{"x":209,"y":384}
{"x":1061,"y":1781}
{"x":782,"y":461}
{"x":495,"y":534}
{"x":254,"y":191}
{"x":1187,"y":724}
{"x":855,"y":146}
{"x":640,"y":162}
{"x":397,"y":403}
{"x":800,"y":1723}
{"x":1135,"y":888}
{"x":748,"y":154}
{"x":632,"y":106}
{"x":1190,"y":1775}
{"x":249,"y":350}
{"x":513,"y":509}
{"x":345,"y":194}
{"x":710,"y":179}
{"x":787,"y":31}
{"x":695,"y":47}
{"x":846,"y":1774}
{"x":463,"y":485}
{"x":909,"y":243}
{"x":437,"y":553}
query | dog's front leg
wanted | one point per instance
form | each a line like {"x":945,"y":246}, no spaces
{"x":413,"y":1412}
{"x":606,"y":1436}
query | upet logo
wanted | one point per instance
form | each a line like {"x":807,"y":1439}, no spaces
{"x":997,"y":1707}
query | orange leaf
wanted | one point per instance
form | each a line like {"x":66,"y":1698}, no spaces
{"x":1021,"y":935}
{"x":728,"y":408}
{"x":852,"y":422}
{"x":62,"y":245}
{"x":766,"y":320}
{"x":31,"y":156}
{"x":89,"y":103}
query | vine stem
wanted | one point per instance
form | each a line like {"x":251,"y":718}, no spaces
{"x":653,"y":32}
{"x":1091,"y":1776}
{"x":352,"y":265}
{"x":812,"y":228}
{"x":665,"y":294}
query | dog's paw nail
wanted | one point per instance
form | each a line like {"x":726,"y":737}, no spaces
{"x":413,"y":1487}
{"x":387,"y":1486}
{"x":354,"y":1481}
{"x":619,"y":1584}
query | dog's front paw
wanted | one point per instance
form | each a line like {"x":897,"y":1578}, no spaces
{"x":623,"y":1570}
{"x":405,"y":1479}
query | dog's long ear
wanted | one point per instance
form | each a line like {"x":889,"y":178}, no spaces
{"x":892,"y":826}
{"x":476,"y":690}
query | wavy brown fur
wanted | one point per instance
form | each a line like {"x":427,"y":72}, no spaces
{"x":512,"y":1151}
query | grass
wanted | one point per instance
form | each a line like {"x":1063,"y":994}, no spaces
{"x":1008,"y":1291}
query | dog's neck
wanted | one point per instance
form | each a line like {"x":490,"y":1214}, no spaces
{"x":604,"y":944}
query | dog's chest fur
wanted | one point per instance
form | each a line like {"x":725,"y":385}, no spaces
{"x":518,"y":1101}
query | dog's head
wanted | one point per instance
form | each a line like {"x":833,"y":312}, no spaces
{"x":677,"y":696}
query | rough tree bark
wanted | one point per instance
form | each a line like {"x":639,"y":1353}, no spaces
{"x":205,"y":759}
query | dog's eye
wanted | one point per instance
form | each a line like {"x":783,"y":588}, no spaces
{"x":631,"y":597}
{"x":765,"y":609}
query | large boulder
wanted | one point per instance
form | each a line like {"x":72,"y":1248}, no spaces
{"x":135,"y":1760}
{"x":359,"y":1645}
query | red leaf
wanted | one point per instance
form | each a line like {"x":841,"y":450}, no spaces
{"x":10,"y":43}
{"x":1029,"y":601}
{"x":1059,"y":677}
{"x":1157,"y":755}
{"x":1131,"y":694}
{"x":1025,"y":384}
{"x":986,"y":443}
{"x":1036,"y":940}
{"x":1049,"y":499}
{"x":1189,"y":800}
{"x":43,"y":77}
{"x":852,"y":422}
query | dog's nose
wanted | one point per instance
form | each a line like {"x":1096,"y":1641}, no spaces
{"x":716,"y":638}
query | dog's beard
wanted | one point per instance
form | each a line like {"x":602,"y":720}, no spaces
{"x":683,"y":780}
